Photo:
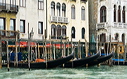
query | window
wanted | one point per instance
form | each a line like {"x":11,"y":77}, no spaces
{"x":103,"y":14}
{"x":123,"y":13}
{"x":119,"y":14}
{"x":53,"y":31}
{"x":12,"y":26}
{"x":64,"y":10}
{"x":63,"y":30}
{"x":103,"y":37}
{"x":83,"y":33}
{"x":53,"y":8}
{"x":114,"y":13}
{"x":123,"y":38}
{"x":22,"y":3}
{"x":2,"y":25}
{"x":40,"y":4}
{"x":22,"y":26}
{"x":83,"y":13}
{"x":72,"y":12}
{"x":13,"y":2}
{"x":2,"y":1}
{"x":116,"y":36}
{"x":40,"y":28}
{"x":58,"y":9}
{"x":58,"y":30}
{"x":73,"y":32}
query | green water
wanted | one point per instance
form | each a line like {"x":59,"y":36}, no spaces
{"x":102,"y":72}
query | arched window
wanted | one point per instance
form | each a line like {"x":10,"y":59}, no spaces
{"x":58,"y":9}
{"x":82,"y":13}
{"x":53,"y":30}
{"x":119,"y":14}
{"x":123,"y":15}
{"x":58,"y":31}
{"x":73,"y":12}
{"x":116,"y":36}
{"x":53,"y":8}
{"x":64,"y":10}
{"x":64,"y":30}
{"x":83,"y":33}
{"x":103,"y":14}
{"x":103,"y":37}
{"x":114,"y":13}
{"x":73,"y":32}
{"x":123,"y":38}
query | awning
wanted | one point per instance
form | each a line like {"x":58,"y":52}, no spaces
{"x":23,"y":44}
{"x":58,"y":45}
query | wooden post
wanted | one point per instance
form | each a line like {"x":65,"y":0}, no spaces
{"x":8,"y":57}
{"x":38,"y":50}
{"x":28,"y":47}
{"x":16,"y":53}
{"x":0,"y":53}
{"x":68,"y":47}
{"x":86,"y":46}
{"x":79,"y":52}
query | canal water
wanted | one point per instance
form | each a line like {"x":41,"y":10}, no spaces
{"x":102,"y":72}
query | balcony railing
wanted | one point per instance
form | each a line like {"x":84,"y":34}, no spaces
{"x":120,"y":25}
{"x":8,"y":7}
{"x":101,"y":25}
{"x":59,"y":19}
{"x":115,"y":25}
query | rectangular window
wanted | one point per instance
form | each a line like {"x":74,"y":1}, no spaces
{"x":2,"y":25}
{"x":40,"y":28}
{"x":22,"y":26}
{"x":22,"y":3}
{"x":13,"y":2}
{"x":83,"y":14}
{"x":2,"y":1}
{"x":41,"y":4}
{"x":72,"y":12}
{"x":12,"y":26}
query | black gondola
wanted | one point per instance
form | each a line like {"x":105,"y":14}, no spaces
{"x":80,"y":62}
{"x":46,"y":64}
{"x":100,"y":60}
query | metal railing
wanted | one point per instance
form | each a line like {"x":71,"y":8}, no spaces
{"x":8,"y":7}
{"x":59,"y":19}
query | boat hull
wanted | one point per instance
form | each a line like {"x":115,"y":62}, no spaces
{"x":44,"y":65}
{"x":80,"y":62}
{"x":100,"y":60}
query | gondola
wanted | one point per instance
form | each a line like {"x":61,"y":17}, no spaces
{"x":45,"y":64}
{"x":99,"y":60}
{"x":80,"y":62}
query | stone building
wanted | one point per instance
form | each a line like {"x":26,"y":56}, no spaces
{"x":108,"y":23}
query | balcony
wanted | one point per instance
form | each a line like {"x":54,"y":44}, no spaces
{"x":114,"y":25}
{"x":73,"y":0}
{"x":84,"y":1}
{"x":59,"y":19}
{"x":8,"y":8}
{"x":101,"y":25}
{"x":120,"y":25}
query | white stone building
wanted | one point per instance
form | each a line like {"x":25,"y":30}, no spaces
{"x":109,"y":22}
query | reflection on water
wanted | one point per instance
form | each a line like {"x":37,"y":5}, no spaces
{"x":102,"y":72}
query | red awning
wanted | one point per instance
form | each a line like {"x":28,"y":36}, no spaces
{"x":58,"y":45}
{"x":24,"y":44}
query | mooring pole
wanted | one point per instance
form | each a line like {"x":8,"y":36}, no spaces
{"x":8,"y":57}
{"x":0,"y":53}
{"x":28,"y":48}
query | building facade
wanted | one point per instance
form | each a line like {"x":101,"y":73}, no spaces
{"x":109,"y":23}
{"x":55,"y":18}
{"x":68,"y":18}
